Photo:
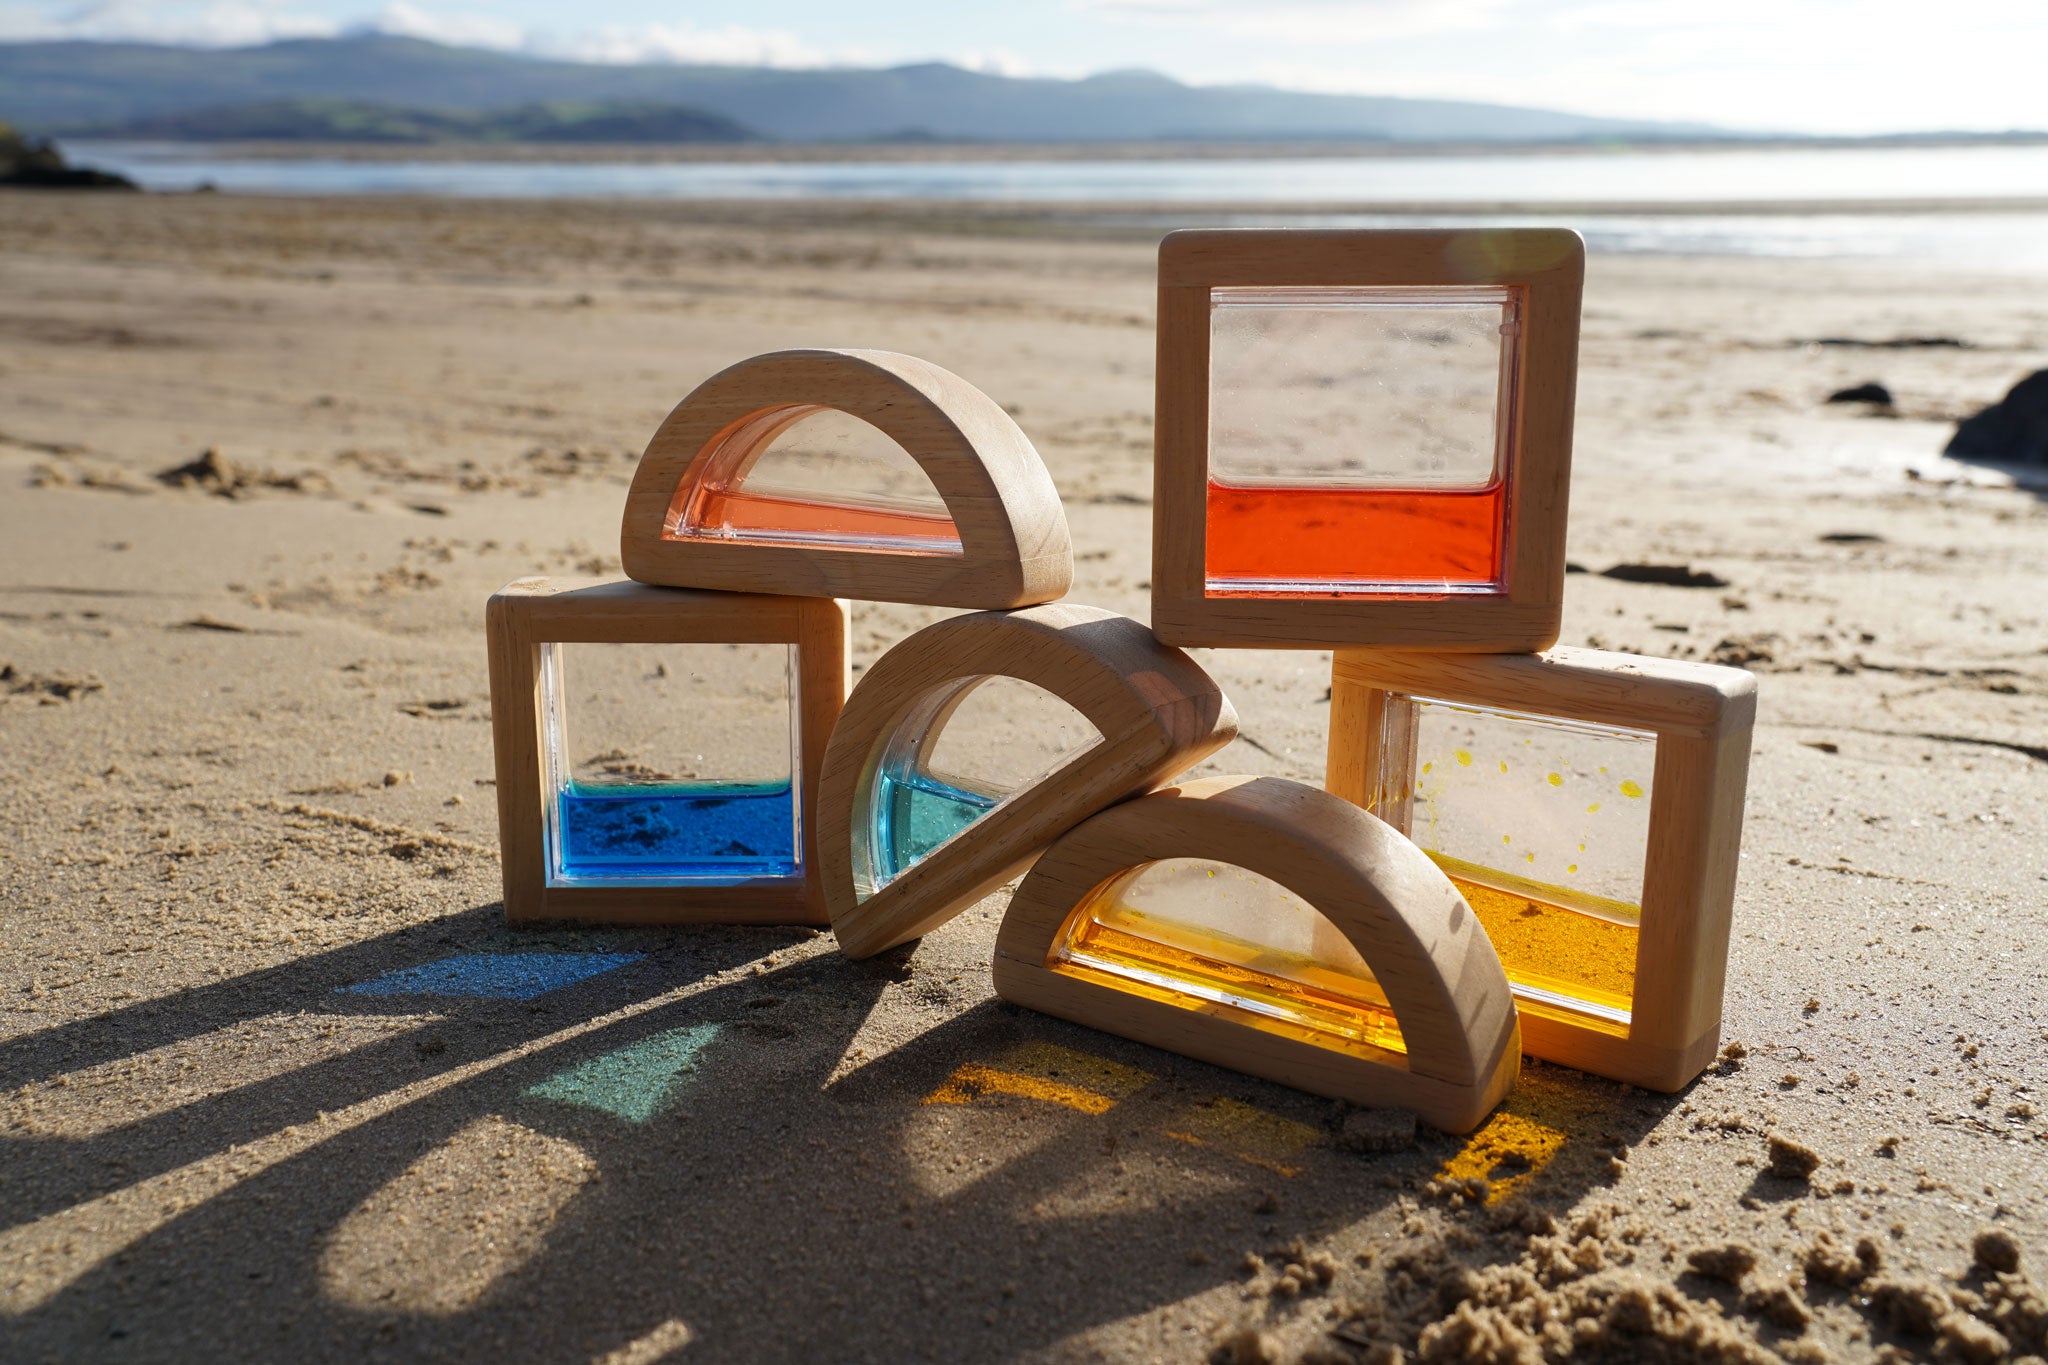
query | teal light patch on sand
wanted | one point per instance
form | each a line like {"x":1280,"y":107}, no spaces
{"x":634,"y":1082}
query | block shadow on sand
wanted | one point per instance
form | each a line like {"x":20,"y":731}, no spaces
{"x":726,"y":1159}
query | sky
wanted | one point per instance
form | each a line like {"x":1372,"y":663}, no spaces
{"x":1826,"y":66}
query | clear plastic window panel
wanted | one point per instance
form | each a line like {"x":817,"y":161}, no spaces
{"x":1357,"y":439}
{"x":812,"y":476}
{"x":1193,"y":931}
{"x":1544,"y":824}
{"x":671,"y":764}
{"x":955,"y":756}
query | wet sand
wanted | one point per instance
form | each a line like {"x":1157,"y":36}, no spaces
{"x":247,"y":730}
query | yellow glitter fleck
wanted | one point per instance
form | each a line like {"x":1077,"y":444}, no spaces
{"x":1593,"y":809}
{"x":1555,"y":779}
{"x":1631,"y":790}
{"x":1464,"y":757}
{"x":1503,"y":765}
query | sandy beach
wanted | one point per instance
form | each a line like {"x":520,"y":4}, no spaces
{"x":244,"y":716}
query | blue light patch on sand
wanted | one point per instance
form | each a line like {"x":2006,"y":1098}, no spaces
{"x":494,"y":976}
{"x":634,"y":1082}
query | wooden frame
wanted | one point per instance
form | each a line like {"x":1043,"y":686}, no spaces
{"x":1014,"y":548}
{"x":1158,"y":713}
{"x":1543,"y":268}
{"x":1702,"y":716}
{"x":1424,"y":946}
{"x":524,"y":616}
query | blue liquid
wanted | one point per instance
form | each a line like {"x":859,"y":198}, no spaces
{"x":720,"y":831}
{"x":915,"y":813}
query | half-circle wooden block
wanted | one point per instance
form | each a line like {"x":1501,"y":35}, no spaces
{"x":1013,"y":545}
{"x":1460,"y":1038}
{"x":1158,"y":713}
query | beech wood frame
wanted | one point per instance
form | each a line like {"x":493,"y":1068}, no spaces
{"x":525,"y":615}
{"x":1158,"y":713}
{"x":1422,"y":942}
{"x":1545,"y":267}
{"x":1703,"y":716}
{"x":1014,"y":545}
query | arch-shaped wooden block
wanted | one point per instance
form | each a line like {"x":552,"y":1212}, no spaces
{"x":1158,"y":713}
{"x":1013,"y":549}
{"x":1432,"y":960}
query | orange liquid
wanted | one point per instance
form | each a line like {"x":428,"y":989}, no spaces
{"x":1356,"y":535}
{"x":763,"y":517}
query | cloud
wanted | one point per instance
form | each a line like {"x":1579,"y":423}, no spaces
{"x":243,"y":23}
{"x":720,"y":45}
{"x":227,"y":23}
{"x":457,"y":29}
{"x":1311,"y":21}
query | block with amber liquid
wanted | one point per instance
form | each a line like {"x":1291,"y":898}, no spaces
{"x":1364,"y":437}
{"x":1588,"y":806}
{"x":1272,"y":927}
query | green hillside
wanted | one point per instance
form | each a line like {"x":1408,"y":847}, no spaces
{"x":337,"y":120}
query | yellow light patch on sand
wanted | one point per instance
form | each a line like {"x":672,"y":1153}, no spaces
{"x":1247,"y":1133}
{"x":1518,"y":1146}
{"x":649,"y":1347}
{"x":440,"y":1234}
{"x":1043,"y":1071}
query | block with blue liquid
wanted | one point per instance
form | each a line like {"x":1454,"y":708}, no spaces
{"x":658,"y":749}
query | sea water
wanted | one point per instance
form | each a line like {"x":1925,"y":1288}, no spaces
{"x":661,"y":831}
{"x":916,"y":812}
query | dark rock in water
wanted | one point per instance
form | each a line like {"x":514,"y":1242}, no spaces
{"x":1666,"y":575}
{"x":2014,"y":429}
{"x":1863,"y":393}
{"x":37,"y":164}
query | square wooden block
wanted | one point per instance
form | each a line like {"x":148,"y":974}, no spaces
{"x":1588,"y":805}
{"x":658,"y":750}
{"x":1364,"y":437}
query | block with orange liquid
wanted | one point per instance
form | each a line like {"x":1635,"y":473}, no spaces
{"x":1364,"y":437}
{"x":1588,"y":807}
{"x":844,"y":473}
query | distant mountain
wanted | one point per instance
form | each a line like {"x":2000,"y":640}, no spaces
{"x":326,"y":120}
{"x":70,"y":86}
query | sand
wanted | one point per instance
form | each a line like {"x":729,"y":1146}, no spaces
{"x":245,"y":722}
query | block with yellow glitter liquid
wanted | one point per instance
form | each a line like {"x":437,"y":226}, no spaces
{"x":1588,"y":806}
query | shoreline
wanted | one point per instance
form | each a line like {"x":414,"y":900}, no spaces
{"x":907,"y":153}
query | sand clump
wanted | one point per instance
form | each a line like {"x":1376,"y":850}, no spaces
{"x":1995,"y":1252}
{"x":46,"y":689}
{"x":1790,"y":1159}
{"x":1574,"y":1292}
{"x":214,"y":473}
{"x":1727,"y":1263}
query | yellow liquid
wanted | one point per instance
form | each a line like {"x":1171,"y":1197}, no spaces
{"x":1290,"y":994}
{"x":1557,"y":958}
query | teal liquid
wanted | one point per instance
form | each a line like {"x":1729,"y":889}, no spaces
{"x":916,"y":812}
